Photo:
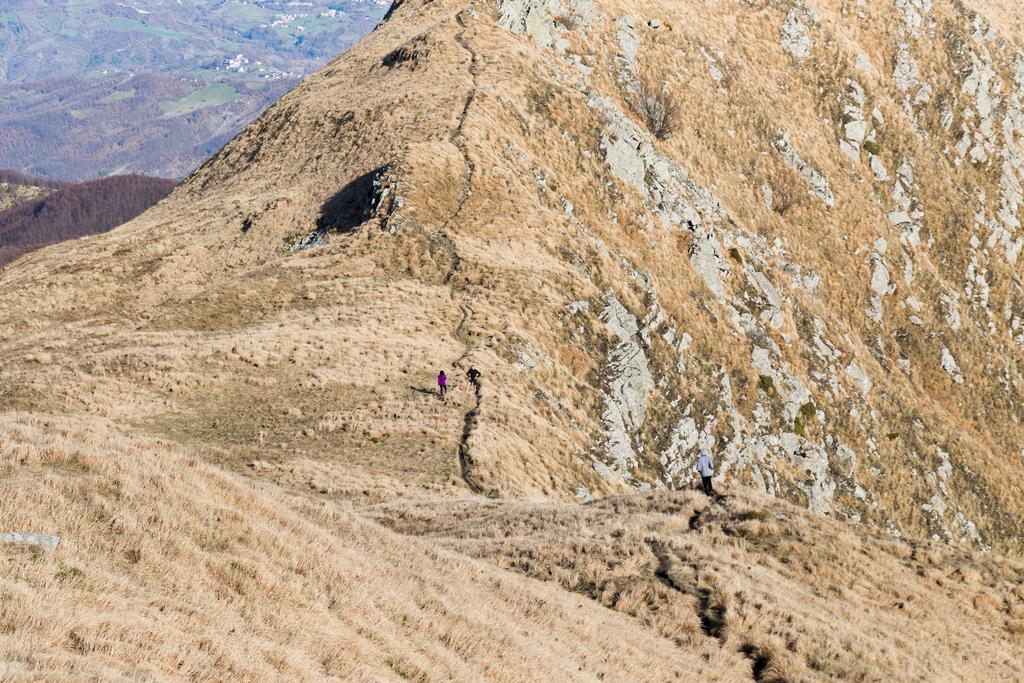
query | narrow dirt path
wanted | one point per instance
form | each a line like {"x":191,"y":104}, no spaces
{"x":712,"y":614}
{"x":465,"y":459}
{"x":458,"y":138}
{"x":469,"y":421}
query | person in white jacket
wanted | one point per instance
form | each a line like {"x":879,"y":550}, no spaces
{"x":705,"y":468}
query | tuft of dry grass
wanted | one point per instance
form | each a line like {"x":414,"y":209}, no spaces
{"x":788,"y":191}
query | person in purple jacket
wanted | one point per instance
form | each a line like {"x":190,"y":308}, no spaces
{"x":442,"y":383}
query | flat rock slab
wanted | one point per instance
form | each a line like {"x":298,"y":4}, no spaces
{"x":44,"y":541}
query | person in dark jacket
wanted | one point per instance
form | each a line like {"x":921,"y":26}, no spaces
{"x":474,"y":375}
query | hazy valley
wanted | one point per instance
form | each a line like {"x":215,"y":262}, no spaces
{"x":153,"y":87}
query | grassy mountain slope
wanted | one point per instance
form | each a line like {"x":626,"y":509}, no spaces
{"x":172,"y":567}
{"x":185,"y":571}
{"x":785,"y":280}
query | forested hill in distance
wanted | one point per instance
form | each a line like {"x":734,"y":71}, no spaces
{"x":73,"y":210}
{"x":97,"y":88}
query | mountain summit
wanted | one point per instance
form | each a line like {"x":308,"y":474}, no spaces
{"x":784,"y":233}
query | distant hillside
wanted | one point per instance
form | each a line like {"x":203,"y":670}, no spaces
{"x":74,"y":211}
{"x":102,"y":88}
{"x":18,"y":188}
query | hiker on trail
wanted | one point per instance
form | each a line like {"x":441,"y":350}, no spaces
{"x":474,"y":375}
{"x":442,"y":383}
{"x":706,"y":468}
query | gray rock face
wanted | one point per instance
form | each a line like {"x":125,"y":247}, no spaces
{"x":669,"y":193}
{"x":908,"y":215}
{"x":44,"y":541}
{"x":818,"y":182}
{"x":857,"y":376}
{"x":760,"y":289}
{"x":603,"y":471}
{"x":990,"y":133}
{"x":819,"y":486}
{"x":796,"y":39}
{"x":623,"y":157}
{"x":630,"y":382}
{"x":879,"y":275}
{"x":575,"y":307}
{"x":629,"y":41}
{"x":633,"y":159}
{"x":706,"y":259}
{"x":950,"y":365}
{"x":855,"y":128}
{"x":846,"y":459}
{"x":951,"y":304}
{"x":535,"y":18}
{"x":1011,"y":190}
{"x":880,"y":287}
{"x":960,"y":528}
{"x":792,"y":389}
{"x":388,"y":205}
{"x":532,"y":17}
{"x":526,"y":362}
{"x":1015,"y":321}
{"x":878,"y":168}
{"x":667,"y":188}
{"x":914,"y":12}
{"x":755,"y":445}
{"x":905,"y":75}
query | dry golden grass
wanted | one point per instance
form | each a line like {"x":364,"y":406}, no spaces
{"x":173,"y":567}
{"x":802,"y":598}
{"x":170,"y":567}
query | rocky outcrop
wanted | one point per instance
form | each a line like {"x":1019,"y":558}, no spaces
{"x":818,"y":183}
{"x":629,"y":381}
{"x":32,"y":540}
{"x":824,"y":380}
{"x":632,"y":158}
{"x":949,"y":364}
{"x":536,"y":18}
{"x":796,"y":29}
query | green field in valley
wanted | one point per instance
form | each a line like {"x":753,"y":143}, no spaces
{"x":212,"y":95}
{"x":119,"y":96}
